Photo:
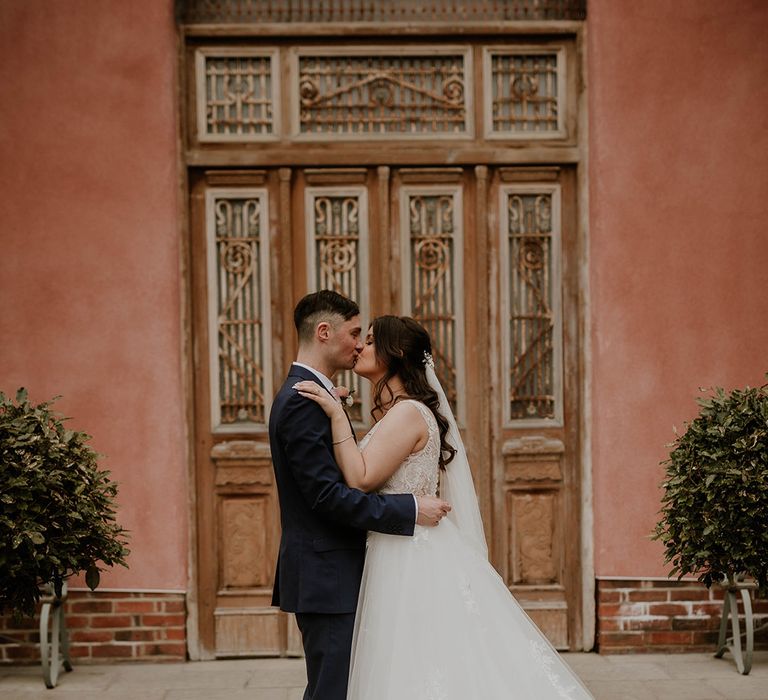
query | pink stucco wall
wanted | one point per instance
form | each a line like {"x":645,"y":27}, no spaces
{"x":89,"y":270}
{"x":89,"y":274}
{"x":678,"y":98}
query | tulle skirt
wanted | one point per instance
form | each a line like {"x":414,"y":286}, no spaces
{"x":435,"y":621}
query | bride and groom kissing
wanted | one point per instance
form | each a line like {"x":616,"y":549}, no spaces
{"x":391,"y":585}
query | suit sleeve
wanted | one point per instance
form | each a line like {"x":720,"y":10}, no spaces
{"x":305,"y":437}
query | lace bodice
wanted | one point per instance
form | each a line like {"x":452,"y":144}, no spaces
{"x":418,"y":474}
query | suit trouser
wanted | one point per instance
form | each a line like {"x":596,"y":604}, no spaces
{"x":327,"y":643}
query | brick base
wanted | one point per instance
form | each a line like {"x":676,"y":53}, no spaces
{"x":633,"y":616}
{"x":663,"y":616}
{"x":107,"y":626}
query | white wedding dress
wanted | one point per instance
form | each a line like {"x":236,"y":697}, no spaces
{"x":435,"y":621}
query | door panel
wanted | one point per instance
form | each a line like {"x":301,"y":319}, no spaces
{"x":432,"y":232}
{"x":334,"y":229}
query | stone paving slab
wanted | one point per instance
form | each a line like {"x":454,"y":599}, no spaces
{"x":620,"y":677}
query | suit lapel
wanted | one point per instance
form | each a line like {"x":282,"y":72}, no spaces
{"x":305,"y":374}
{"x":302,"y":373}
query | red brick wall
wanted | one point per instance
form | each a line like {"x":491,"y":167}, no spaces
{"x":107,"y":626}
{"x":662,"y":616}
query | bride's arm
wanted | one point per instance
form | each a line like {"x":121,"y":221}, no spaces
{"x":402,"y":431}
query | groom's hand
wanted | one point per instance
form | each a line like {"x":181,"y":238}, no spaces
{"x":431,"y":510}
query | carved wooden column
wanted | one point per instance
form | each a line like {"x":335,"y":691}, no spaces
{"x":480,"y":332}
{"x":282,"y":278}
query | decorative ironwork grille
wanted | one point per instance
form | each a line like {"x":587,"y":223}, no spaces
{"x":338,"y":226}
{"x":235,"y":94}
{"x":238,"y":304}
{"x":435,"y":238}
{"x":382,"y":95}
{"x":526,"y":92}
{"x":533,"y":322}
{"x":279,"y":11}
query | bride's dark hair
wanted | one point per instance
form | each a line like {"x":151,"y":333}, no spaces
{"x":400,"y":344}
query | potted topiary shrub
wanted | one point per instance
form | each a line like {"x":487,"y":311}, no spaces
{"x":714,"y":522}
{"x":57,"y":510}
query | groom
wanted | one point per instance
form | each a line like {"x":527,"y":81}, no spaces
{"x":324,"y":522}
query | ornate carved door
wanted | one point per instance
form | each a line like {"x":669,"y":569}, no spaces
{"x":432,"y":174}
{"x":480,"y":256}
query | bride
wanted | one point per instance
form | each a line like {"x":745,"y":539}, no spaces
{"x":434,"y":619}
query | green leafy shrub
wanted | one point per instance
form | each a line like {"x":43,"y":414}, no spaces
{"x":57,"y":514}
{"x":715,"y":506}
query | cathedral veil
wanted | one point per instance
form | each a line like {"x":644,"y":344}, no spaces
{"x":456,"y":485}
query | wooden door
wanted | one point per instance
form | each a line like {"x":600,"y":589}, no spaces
{"x":534,"y":362}
{"x":236,"y":353}
{"x":489,"y":265}
{"x":444,"y":245}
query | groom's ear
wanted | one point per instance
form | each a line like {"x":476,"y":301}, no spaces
{"x":323,"y":331}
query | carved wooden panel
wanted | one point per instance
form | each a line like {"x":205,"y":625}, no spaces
{"x":337,"y":254}
{"x":532,"y":538}
{"x":245,"y":554}
{"x":248,"y":632}
{"x":382,"y":92}
{"x":524,"y":92}
{"x":531,"y":303}
{"x":535,"y":528}
{"x":238,"y":305}
{"x":433,"y":239}
{"x":237,"y":93}
{"x":300,"y":11}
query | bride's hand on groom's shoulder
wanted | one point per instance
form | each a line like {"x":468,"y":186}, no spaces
{"x":431,"y":510}
{"x":320,"y":396}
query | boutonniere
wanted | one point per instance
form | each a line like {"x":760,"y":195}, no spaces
{"x":345,"y":396}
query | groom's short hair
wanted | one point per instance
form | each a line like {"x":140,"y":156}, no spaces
{"x":325,"y":305}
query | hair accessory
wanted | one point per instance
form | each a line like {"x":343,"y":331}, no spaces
{"x":428,"y":361}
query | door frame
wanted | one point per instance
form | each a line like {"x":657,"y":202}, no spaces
{"x":282,"y":160}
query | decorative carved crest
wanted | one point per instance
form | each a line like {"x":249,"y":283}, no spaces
{"x":380,"y":94}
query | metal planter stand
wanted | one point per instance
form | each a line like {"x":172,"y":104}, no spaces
{"x":54,"y":638}
{"x":731,"y":609}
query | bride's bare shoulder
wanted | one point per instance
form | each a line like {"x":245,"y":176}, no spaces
{"x":405,"y":407}
{"x":405,"y":415}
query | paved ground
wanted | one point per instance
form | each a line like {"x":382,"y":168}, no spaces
{"x":640,"y":677}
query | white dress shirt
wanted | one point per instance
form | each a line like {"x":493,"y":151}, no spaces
{"x":327,"y":383}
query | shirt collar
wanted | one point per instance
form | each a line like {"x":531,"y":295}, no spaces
{"x":327,"y":383}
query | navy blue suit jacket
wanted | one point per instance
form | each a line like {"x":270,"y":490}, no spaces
{"x":324,"y":522}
